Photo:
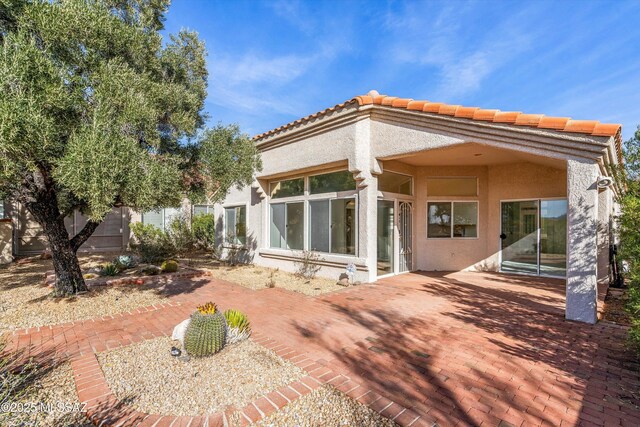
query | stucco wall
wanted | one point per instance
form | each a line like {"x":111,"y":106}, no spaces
{"x":6,"y":241}
{"x":496,"y":183}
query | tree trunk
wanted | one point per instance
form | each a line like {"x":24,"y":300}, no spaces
{"x":69,"y":280}
{"x":44,"y":208}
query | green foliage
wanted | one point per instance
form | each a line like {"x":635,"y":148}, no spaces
{"x":630,"y":232}
{"x":109,"y":269}
{"x":203,"y":227}
{"x":124,"y":262}
{"x":181,"y":235}
{"x":238,"y":320}
{"x":95,"y":107}
{"x":169,"y":266}
{"x":206,"y":334}
{"x":151,"y":243}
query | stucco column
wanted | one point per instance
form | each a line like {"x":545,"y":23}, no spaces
{"x":367,"y":224}
{"x":582,"y":245}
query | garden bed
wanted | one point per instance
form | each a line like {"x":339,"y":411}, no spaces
{"x":26,"y":302}
{"x":146,"y":376}
{"x":255,"y":277}
{"x":325,"y":406}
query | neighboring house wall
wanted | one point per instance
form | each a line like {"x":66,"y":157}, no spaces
{"x":6,"y":240}
{"x":111,"y":235}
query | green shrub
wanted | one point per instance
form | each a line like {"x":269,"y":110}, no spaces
{"x":169,"y":266}
{"x":206,"y":334}
{"x":181,"y":235}
{"x":124,"y":262}
{"x":151,"y":243}
{"x":203,"y":227}
{"x":109,"y":269}
{"x":628,"y":221}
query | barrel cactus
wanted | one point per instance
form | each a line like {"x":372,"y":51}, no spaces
{"x":207,"y":331}
{"x":238,"y":326}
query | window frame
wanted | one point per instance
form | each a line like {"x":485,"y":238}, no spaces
{"x":305,"y":199}
{"x":391,"y":194}
{"x":210,"y":209}
{"x":304,"y":187}
{"x":224,"y":224}
{"x":452,"y":202}
{"x":179,"y":210}
{"x":330,"y":199}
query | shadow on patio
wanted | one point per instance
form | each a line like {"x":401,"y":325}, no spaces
{"x":493,"y":348}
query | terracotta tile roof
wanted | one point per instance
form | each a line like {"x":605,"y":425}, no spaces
{"x":516,"y":118}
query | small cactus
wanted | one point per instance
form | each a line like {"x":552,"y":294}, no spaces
{"x":238,"y":326}
{"x":169,"y":266}
{"x":124,"y":262}
{"x":109,"y":269}
{"x":206,"y":334}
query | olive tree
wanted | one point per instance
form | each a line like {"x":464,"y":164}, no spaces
{"x":98,"y":110}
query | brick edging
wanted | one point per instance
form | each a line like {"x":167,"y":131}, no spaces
{"x":49,"y":279}
{"x":103,"y":408}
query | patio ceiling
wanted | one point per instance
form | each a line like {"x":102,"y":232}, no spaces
{"x":474,"y":154}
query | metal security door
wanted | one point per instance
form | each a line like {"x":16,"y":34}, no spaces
{"x":405,"y":231}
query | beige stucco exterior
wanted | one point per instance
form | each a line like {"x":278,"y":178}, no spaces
{"x":6,"y":241}
{"x":509,"y":162}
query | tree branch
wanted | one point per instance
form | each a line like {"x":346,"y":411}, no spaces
{"x":84,"y":234}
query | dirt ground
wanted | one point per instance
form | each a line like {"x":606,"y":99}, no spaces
{"x":614,"y":306}
{"x":26,"y":302}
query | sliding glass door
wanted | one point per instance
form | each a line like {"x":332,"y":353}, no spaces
{"x":386,"y":221}
{"x":533,"y":237}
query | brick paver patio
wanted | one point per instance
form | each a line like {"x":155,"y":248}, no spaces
{"x":456,"y":349}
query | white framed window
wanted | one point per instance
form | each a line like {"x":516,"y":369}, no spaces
{"x":161,"y":218}
{"x":1,"y":209}
{"x":287,"y":225}
{"x":332,"y":225}
{"x":235,"y":225}
{"x":201,"y":209}
{"x":452,"y":219}
{"x":318,"y":214}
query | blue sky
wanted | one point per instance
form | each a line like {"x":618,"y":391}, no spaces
{"x":273,"y":62}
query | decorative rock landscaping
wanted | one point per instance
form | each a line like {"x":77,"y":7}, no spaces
{"x":325,"y":406}
{"x":151,"y":380}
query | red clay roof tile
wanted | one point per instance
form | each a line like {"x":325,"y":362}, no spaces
{"x":589,"y":127}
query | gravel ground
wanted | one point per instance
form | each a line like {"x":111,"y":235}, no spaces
{"x":153,"y":381}
{"x":615,"y":306}
{"x":325,"y":406}
{"x":56,"y":390}
{"x":255,"y":277}
{"x":25,"y":302}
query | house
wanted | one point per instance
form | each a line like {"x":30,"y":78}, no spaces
{"x":394,"y":185}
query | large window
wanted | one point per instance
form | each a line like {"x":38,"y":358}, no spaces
{"x":235,"y":225}
{"x":332,"y":182}
{"x":161,"y":218}
{"x":392,"y":182}
{"x":332,"y":226}
{"x":452,"y":220}
{"x":287,"y":225}
{"x":330,"y":203}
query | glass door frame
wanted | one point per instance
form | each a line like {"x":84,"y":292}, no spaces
{"x":538,"y":236}
{"x":396,"y":199}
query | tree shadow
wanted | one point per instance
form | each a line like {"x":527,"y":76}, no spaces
{"x":484,"y":348}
